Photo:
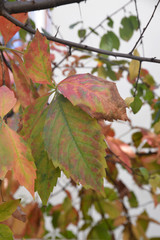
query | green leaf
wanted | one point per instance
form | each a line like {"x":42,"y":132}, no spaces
{"x":93,"y":31}
{"x":81,"y":33}
{"x":149,"y":96}
{"x":113,"y":209}
{"x":155,"y":181}
{"x":74,"y":142}
{"x":133,"y":200}
{"x":109,"y":41}
{"x":74,"y":24}
{"x":143,"y":220}
{"x":67,"y":234}
{"x":102,"y":72}
{"x":33,"y":124}
{"x":149,"y":80}
{"x":24,"y":33}
{"x":144,"y":172}
{"x":7,"y":208}
{"x":110,"y":194}
{"x":126,"y":31}
{"x":137,"y":137}
{"x":136,"y":105}
{"x":5,"y":233}
{"x":110,"y":22}
{"x":100,"y":232}
{"x":135,"y":22}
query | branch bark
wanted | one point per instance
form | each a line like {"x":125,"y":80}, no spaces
{"x":33,"y":5}
{"x":78,"y":46}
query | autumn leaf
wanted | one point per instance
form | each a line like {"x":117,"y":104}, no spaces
{"x":100,"y":231}
{"x":33,"y":228}
{"x":64,"y":214}
{"x":121,"y":151}
{"x":4,"y":74}
{"x":94,"y":95}
{"x":23,"y":86}
{"x":33,"y":122}
{"x":18,"y":158}
{"x":134,"y":67}
{"x":5,"y":232}
{"x":7,"y":100}
{"x":37,"y":60}
{"x":8,"y":29}
{"x":7,"y":208}
{"x":74,"y":142}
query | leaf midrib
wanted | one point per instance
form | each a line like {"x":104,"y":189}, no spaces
{"x":73,"y":138}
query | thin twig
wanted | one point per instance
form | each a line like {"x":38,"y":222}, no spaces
{"x":78,"y":46}
{"x":141,"y":36}
{"x":136,"y":8}
{"x":94,"y":29}
{"x":54,"y":25}
{"x":105,"y":19}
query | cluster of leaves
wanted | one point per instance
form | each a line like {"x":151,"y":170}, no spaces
{"x":40,"y":137}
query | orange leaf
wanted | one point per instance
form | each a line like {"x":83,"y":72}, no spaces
{"x":121,"y":150}
{"x":34,"y":225}
{"x":8,"y":29}
{"x":18,"y":157}
{"x":7,"y":100}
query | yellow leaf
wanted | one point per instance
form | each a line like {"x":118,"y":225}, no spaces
{"x":134,"y":67}
{"x":129,"y":100}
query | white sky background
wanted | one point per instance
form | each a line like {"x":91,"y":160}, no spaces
{"x":93,"y":12}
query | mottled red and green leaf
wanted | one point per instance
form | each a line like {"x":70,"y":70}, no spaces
{"x":74,"y":142}
{"x":37,"y":60}
{"x":33,"y":123}
{"x":94,"y":95}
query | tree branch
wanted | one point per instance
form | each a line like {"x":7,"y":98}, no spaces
{"x":33,"y":5}
{"x":77,"y":46}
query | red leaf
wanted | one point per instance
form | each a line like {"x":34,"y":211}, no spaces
{"x":4,"y":72}
{"x":94,"y":95}
{"x":7,"y":100}
{"x":18,"y":158}
{"x":8,"y":29}
{"x":37,"y":60}
{"x":23,"y":87}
